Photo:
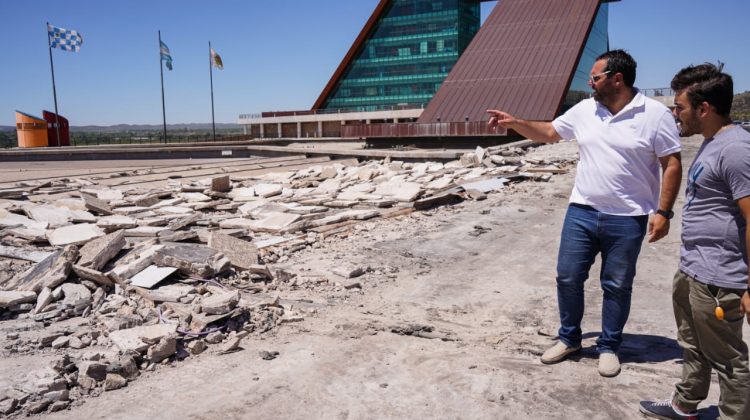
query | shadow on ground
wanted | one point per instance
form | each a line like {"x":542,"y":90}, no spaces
{"x":640,"y":348}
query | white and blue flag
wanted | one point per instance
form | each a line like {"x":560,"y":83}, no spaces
{"x":165,"y":56}
{"x":64,"y":39}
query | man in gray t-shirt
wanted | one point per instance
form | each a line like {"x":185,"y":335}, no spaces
{"x":711,"y":291}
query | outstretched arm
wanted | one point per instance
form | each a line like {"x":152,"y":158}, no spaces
{"x":658,"y":226}
{"x":541,"y":131}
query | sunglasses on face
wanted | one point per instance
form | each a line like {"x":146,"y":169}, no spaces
{"x":596,"y":77}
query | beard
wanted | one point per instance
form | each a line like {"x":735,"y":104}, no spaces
{"x":689,"y":126}
{"x":603,"y":94}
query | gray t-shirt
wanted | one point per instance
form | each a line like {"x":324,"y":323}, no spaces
{"x":713,"y":229}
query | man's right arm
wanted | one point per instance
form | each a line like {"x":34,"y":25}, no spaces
{"x":541,"y":131}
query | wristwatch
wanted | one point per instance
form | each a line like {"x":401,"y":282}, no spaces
{"x":668,"y":214}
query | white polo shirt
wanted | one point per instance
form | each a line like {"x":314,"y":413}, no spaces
{"x":618,"y":170}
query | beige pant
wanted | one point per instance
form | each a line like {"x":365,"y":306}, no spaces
{"x":711,"y":344}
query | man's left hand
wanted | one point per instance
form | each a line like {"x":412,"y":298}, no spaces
{"x":745,"y":306}
{"x":658,"y":227}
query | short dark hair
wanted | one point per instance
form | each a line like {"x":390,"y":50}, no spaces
{"x":706,"y":83}
{"x":619,"y":61}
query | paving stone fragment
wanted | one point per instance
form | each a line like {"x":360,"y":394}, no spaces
{"x":130,"y":339}
{"x":220,"y":303}
{"x":274,"y":222}
{"x":190,"y":259}
{"x":86,"y":273}
{"x":400,"y":190}
{"x":8,"y":219}
{"x":241,"y":253}
{"x":231,"y":345}
{"x":221,"y":183}
{"x":168,"y":293}
{"x":126,"y":268}
{"x":77,"y":296}
{"x":145,"y":231}
{"x":115,"y":222}
{"x":165,"y":348}
{"x":151,"y":276}
{"x":349,"y":272}
{"x":179,"y":223}
{"x":49,"y":272}
{"x":12,"y":298}
{"x":54,"y":216}
{"x":60,"y":342}
{"x":96,"y":205}
{"x":74,"y":234}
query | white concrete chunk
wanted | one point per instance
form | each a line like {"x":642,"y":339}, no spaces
{"x":74,"y":234}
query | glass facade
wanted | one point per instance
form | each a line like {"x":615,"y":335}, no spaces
{"x":410,"y":52}
{"x":596,"y":44}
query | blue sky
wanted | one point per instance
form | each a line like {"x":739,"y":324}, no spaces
{"x":279,"y":54}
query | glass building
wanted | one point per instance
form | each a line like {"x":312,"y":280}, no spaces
{"x":411,"y":50}
{"x":596,"y":44}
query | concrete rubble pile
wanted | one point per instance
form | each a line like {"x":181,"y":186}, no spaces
{"x":122,"y":280}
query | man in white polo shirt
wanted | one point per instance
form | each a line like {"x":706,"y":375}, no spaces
{"x":624,"y":139}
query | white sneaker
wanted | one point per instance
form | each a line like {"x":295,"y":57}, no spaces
{"x":558,"y":353}
{"x":609,"y":365}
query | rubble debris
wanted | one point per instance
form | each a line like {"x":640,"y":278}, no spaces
{"x":241,"y":254}
{"x":96,"y":253}
{"x":230,"y":239}
{"x":195,"y":260}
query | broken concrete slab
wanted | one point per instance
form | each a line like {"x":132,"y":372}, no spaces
{"x":168,"y":293}
{"x":165,"y":348}
{"x":54,"y":216}
{"x":401,"y":191}
{"x":86,"y":273}
{"x":267,"y":190}
{"x":274,"y":222}
{"x":151,"y":276}
{"x":220,"y":303}
{"x":49,"y":272}
{"x":96,"y":205}
{"x":194,"y":260}
{"x":241,"y":253}
{"x":237,"y":223}
{"x":130,"y":339}
{"x":116,"y":222}
{"x":485,"y":185}
{"x":23,"y":254}
{"x":8,"y":219}
{"x":221,"y":183}
{"x":97,"y":252}
{"x":181,"y":222}
{"x":12,"y":298}
{"x":74,"y":234}
{"x":141,"y":258}
{"x":145,"y":231}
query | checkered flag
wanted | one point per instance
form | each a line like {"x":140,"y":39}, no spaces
{"x":64,"y":39}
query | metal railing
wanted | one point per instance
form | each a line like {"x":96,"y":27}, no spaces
{"x":271,"y":114}
{"x":658,"y":92}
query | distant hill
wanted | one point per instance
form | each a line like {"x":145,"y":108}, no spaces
{"x":741,"y":106}
{"x":119,"y":128}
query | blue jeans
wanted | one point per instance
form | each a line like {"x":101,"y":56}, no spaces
{"x":587,"y":232}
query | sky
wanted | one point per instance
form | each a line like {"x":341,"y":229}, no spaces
{"x":278,"y":55}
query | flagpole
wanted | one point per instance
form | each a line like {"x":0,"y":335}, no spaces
{"x":211,"y":76}
{"x":54,"y":89}
{"x":163,"y":108}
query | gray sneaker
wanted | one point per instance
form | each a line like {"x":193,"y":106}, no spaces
{"x":664,"y":410}
{"x":558,"y":353}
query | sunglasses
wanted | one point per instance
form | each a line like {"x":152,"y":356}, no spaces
{"x":595,"y":78}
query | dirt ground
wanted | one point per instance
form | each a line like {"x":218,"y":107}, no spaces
{"x":481,"y":274}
